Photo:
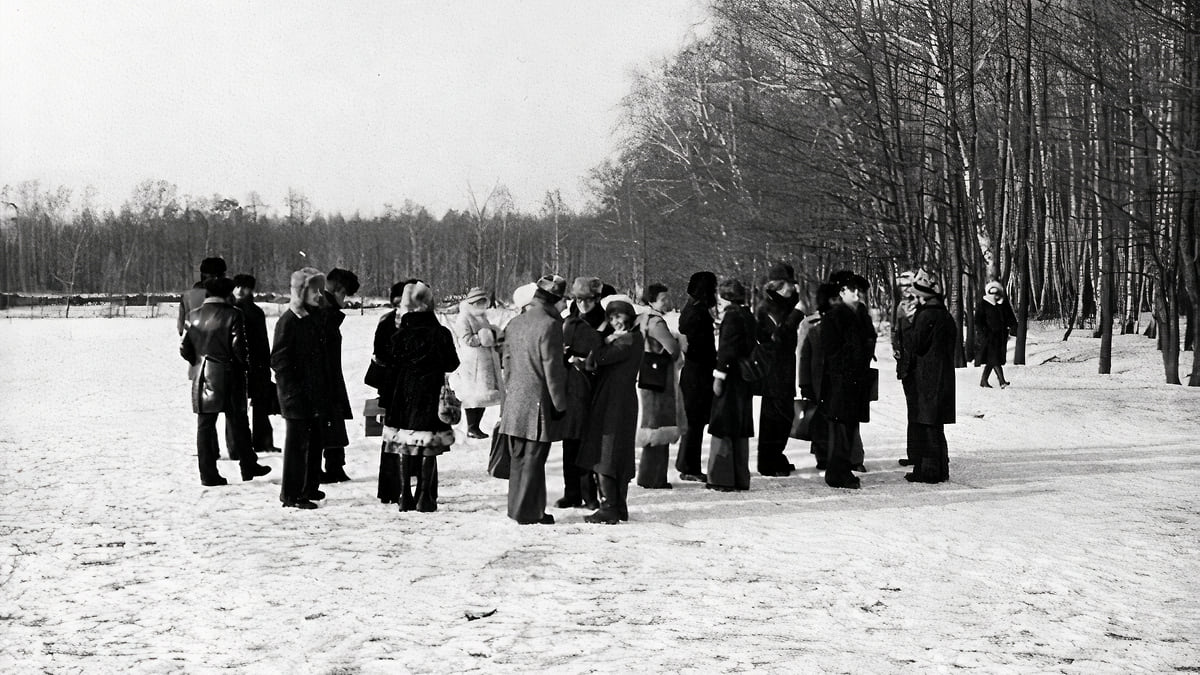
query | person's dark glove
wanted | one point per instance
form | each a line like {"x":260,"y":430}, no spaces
{"x":556,"y":414}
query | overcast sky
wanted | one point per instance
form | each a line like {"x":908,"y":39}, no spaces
{"x":354,"y":103}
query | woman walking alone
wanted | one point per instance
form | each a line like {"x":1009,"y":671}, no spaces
{"x":477,"y":380}
{"x":422,"y":353}
{"x":994,"y":318}
{"x":732,"y":421}
{"x":658,"y":428}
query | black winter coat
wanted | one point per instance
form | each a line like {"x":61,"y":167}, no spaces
{"x":332,"y":316}
{"x":262,"y":389}
{"x":778,"y":331}
{"x":992,"y":323}
{"x":932,"y":372}
{"x":696,"y":324}
{"x":422,"y":352}
{"x":300,"y":365}
{"x":216,"y":330}
{"x":732,"y":411}
{"x":381,"y":356}
{"x":847,"y":340}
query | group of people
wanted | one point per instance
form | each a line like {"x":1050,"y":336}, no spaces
{"x":578,"y":365}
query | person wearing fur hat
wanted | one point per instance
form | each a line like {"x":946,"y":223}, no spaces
{"x":260,"y":387}
{"x":994,"y":319}
{"x":659,"y":426}
{"x":535,"y":398}
{"x":210,"y":268}
{"x":609,"y":435}
{"x":732,"y":420}
{"x":339,"y":284}
{"x":931,"y":405}
{"x":422,"y":352}
{"x":477,"y":380}
{"x":302,"y":378}
{"x":847,"y":340}
{"x":778,"y":331}
{"x":699,"y":346}
{"x":388,"y":490}
{"x":581,"y":334}
{"x":214,"y":343}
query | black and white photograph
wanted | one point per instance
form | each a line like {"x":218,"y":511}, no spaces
{"x":600,"y":336}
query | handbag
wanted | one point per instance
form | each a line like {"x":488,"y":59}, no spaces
{"x":654,"y":371}
{"x":449,"y":405}
{"x":753,"y":368}
{"x":802,"y":422}
{"x":376,"y":375}
{"x":499,"y":459}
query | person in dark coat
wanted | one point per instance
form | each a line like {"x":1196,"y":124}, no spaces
{"x":302,"y":379}
{"x":847,"y":339}
{"x":659,"y":425}
{"x":732,"y":420}
{"x":339,"y":283}
{"x":581,"y":334}
{"x":699,"y":347}
{"x":259,"y":385}
{"x":214,"y":343}
{"x":384,"y":381}
{"x":812,"y":372}
{"x":535,"y":400}
{"x":994,"y":319}
{"x":932,"y":372}
{"x":902,"y":323}
{"x":422,"y":352}
{"x":778,"y":331}
{"x":610,"y":432}
{"x":210,"y":268}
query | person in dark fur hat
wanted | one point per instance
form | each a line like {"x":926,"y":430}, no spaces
{"x":214,"y":343}
{"x":261,"y":389}
{"x":609,"y":436}
{"x":699,"y":348}
{"x":847,"y":340}
{"x":778,"y":326}
{"x":339,"y":284}
{"x":581,"y":334}
{"x":210,"y":268}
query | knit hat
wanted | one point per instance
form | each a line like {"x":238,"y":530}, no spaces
{"x":782,"y":271}
{"x":552,"y":286}
{"x":585,"y":288}
{"x":213,"y":267}
{"x":475,"y":294}
{"x":927,"y":284}
{"x":304,"y":278}
{"x":524,"y":294}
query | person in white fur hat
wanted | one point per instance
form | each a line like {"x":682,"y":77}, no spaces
{"x":994,"y":319}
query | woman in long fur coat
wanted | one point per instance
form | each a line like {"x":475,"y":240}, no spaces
{"x":477,"y":380}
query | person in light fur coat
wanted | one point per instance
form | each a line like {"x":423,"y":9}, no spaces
{"x":422,"y":353}
{"x":477,"y":380}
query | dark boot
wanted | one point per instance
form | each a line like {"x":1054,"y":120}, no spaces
{"x":389,"y":478}
{"x":427,"y":485}
{"x":611,"y":504}
{"x":474,"y":417}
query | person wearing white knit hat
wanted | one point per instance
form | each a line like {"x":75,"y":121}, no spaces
{"x":994,"y":319}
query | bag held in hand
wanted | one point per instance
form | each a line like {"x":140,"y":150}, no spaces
{"x":802,"y":422}
{"x":653,"y":373}
{"x":499,"y":460}
{"x":449,"y":405}
{"x":753,"y":368}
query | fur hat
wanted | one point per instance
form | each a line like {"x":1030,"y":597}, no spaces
{"x":213,"y":267}
{"x":304,"y":278}
{"x":848,"y":279}
{"x":244,"y":281}
{"x":927,"y":284}
{"x":552,"y":286}
{"x":397,"y":289}
{"x":345,"y":279}
{"x":417,"y":297}
{"x":475,"y":295}
{"x":732,"y":290}
{"x":218,"y":287}
{"x":825,"y":294}
{"x":987,"y":290}
{"x":524,"y":294}
{"x":586,"y":287}
{"x":782,"y":271}
{"x":702,"y":285}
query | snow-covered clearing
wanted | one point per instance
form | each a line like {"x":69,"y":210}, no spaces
{"x":1066,"y":541}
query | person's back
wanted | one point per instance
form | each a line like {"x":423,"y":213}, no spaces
{"x":216,"y":330}
{"x":534,"y":370}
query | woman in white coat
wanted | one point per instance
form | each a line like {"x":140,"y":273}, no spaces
{"x":477,"y":381}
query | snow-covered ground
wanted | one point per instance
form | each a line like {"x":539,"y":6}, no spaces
{"x":1066,"y":541}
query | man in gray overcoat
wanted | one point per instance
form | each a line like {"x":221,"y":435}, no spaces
{"x":535,"y":398}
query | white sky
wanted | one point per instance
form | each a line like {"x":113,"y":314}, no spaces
{"x":354,"y":103}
